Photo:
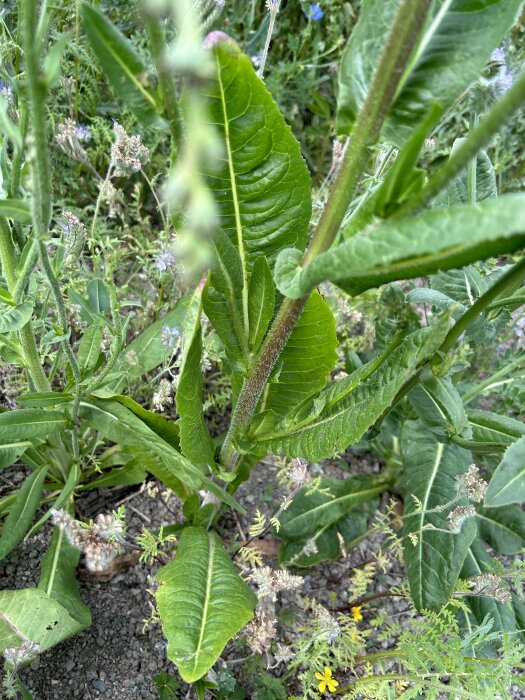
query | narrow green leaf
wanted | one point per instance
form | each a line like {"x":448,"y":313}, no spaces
{"x":433,"y":559}
{"x":460,"y":33}
{"x":306,"y":360}
{"x":43,"y":399}
{"x":503,"y":528}
{"x":132,"y":473}
{"x":202,"y":602}
{"x":392,"y":251}
{"x":27,"y":423}
{"x":89,"y":346}
{"x":343,"y":412}
{"x":63,"y":497}
{"x":7,"y":127}
{"x":16,"y":209}
{"x":439,"y":406}
{"x":98,"y":296}
{"x":22,"y":512}
{"x":58,"y":577}
{"x":10,"y":452}
{"x":15,"y":318}
{"x":195,"y":441}
{"x":121,"y":64}
{"x":37,"y":616}
{"x":261,"y":302}
{"x":508,"y":481}
{"x":166,"y":429}
{"x":492,"y":427}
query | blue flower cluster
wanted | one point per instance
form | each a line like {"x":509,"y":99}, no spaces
{"x":315,"y":13}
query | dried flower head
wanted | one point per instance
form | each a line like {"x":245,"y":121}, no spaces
{"x":328,"y":625}
{"x":128,"y":153}
{"x":162,"y":397}
{"x":490,"y":585}
{"x":457,"y":516}
{"x":298,"y":472}
{"x":70,"y":136}
{"x":270,"y":582}
{"x":472,"y":484}
{"x":260,"y":631}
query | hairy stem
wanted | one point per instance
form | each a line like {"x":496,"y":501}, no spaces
{"x":399,"y":46}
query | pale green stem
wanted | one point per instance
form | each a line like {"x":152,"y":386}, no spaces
{"x":274,"y":9}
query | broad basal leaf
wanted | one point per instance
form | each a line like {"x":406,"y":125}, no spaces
{"x":13,"y":318}
{"x":262,"y":185}
{"x":121,"y":64}
{"x":306,"y":360}
{"x":195,"y":440}
{"x":433,"y":558}
{"x":453,"y":50}
{"x":202,"y":602}
{"x":411,"y":247}
{"x":22,"y":512}
{"x":503,"y":528}
{"x":344,"y":411}
{"x":508,"y":481}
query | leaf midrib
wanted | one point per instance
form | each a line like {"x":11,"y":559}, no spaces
{"x":211,"y":554}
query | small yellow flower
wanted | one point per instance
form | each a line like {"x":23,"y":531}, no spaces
{"x":327,"y":681}
{"x":356,"y":613}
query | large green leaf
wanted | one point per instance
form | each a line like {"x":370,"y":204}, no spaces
{"x":478,"y":561}
{"x":453,"y":50}
{"x":58,"y":577}
{"x":508,"y":481}
{"x":195,"y":441}
{"x":433,"y":558}
{"x":262,"y":185}
{"x":119,"y":424}
{"x":503,"y":528}
{"x":439,"y":239}
{"x":27,"y":423}
{"x":121,"y":64}
{"x":13,"y":318}
{"x":345,"y":410}
{"x":306,"y":360}
{"x":37,"y":616}
{"x":202,"y":602}
{"x":22,"y":512}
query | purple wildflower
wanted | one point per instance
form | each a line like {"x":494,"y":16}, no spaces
{"x":498,"y":56}
{"x":503,"y":81}
{"x":6,"y":90}
{"x":315,"y":13}
{"x":82,"y":133}
{"x":170,"y":335}
{"x":164,"y":260}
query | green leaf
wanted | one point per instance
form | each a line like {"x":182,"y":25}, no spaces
{"x":343,"y":412}
{"x":434,"y":559}
{"x":63,"y":497}
{"x":98,"y":296}
{"x":89,"y":346}
{"x":37,"y":616}
{"x":15,"y":318}
{"x":306,"y":360}
{"x":503,"y":528}
{"x":27,"y":423}
{"x":261,"y":302}
{"x":122,"y":65}
{"x":167,"y":686}
{"x":118,"y":424}
{"x":439,"y":406}
{"x":456,"y":192}
{"x":195,"y":441}
{"x":128,"y":475}
{"x":10,"y":452}
{"x":478,"y":561}
{"x":202,"y":602}
{"x":262,"y":186}
{"x":22,"y":512}
{"x":454,"y":48}
{"x":42,"y":399}
{"x":508,"y":481}
{"x":491,"y":427}
{"x":166,"y":429}
{"x":16,"y":209}
{"x":58,"y":577}
{"x":392,"y":251}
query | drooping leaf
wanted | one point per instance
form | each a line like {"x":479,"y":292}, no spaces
{"x":306,"y":360}
{"x":14,"y":318}
{"x":195,"y":441}
{"x":477,"y":562}
{"x":118,"y":424}
{"x":121,"y":64}
{"x":16,"y":209}
{"x":58,"y":577}
{"x":503,"y":528}
{"x":27,"y":423}
{"x":261,"y":302}
{"x":508,"y":481}
{"x":202,"y":602}
{"x":433,"y":558}
{"x":453,"y":50}
{"x":22,"y":512}
{"x":439,"y":406}
{"x":344,"y":411}
{"x":393,"y":251}
{"x":37,"y":616}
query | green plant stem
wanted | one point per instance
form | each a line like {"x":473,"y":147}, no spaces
{"x":16,"y":170}
{"x":400,"y":43}
{"x":25,"y":273}
{"x":167,"y":83}
{"x":273,"y":14}
{"x":478,"y":139}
